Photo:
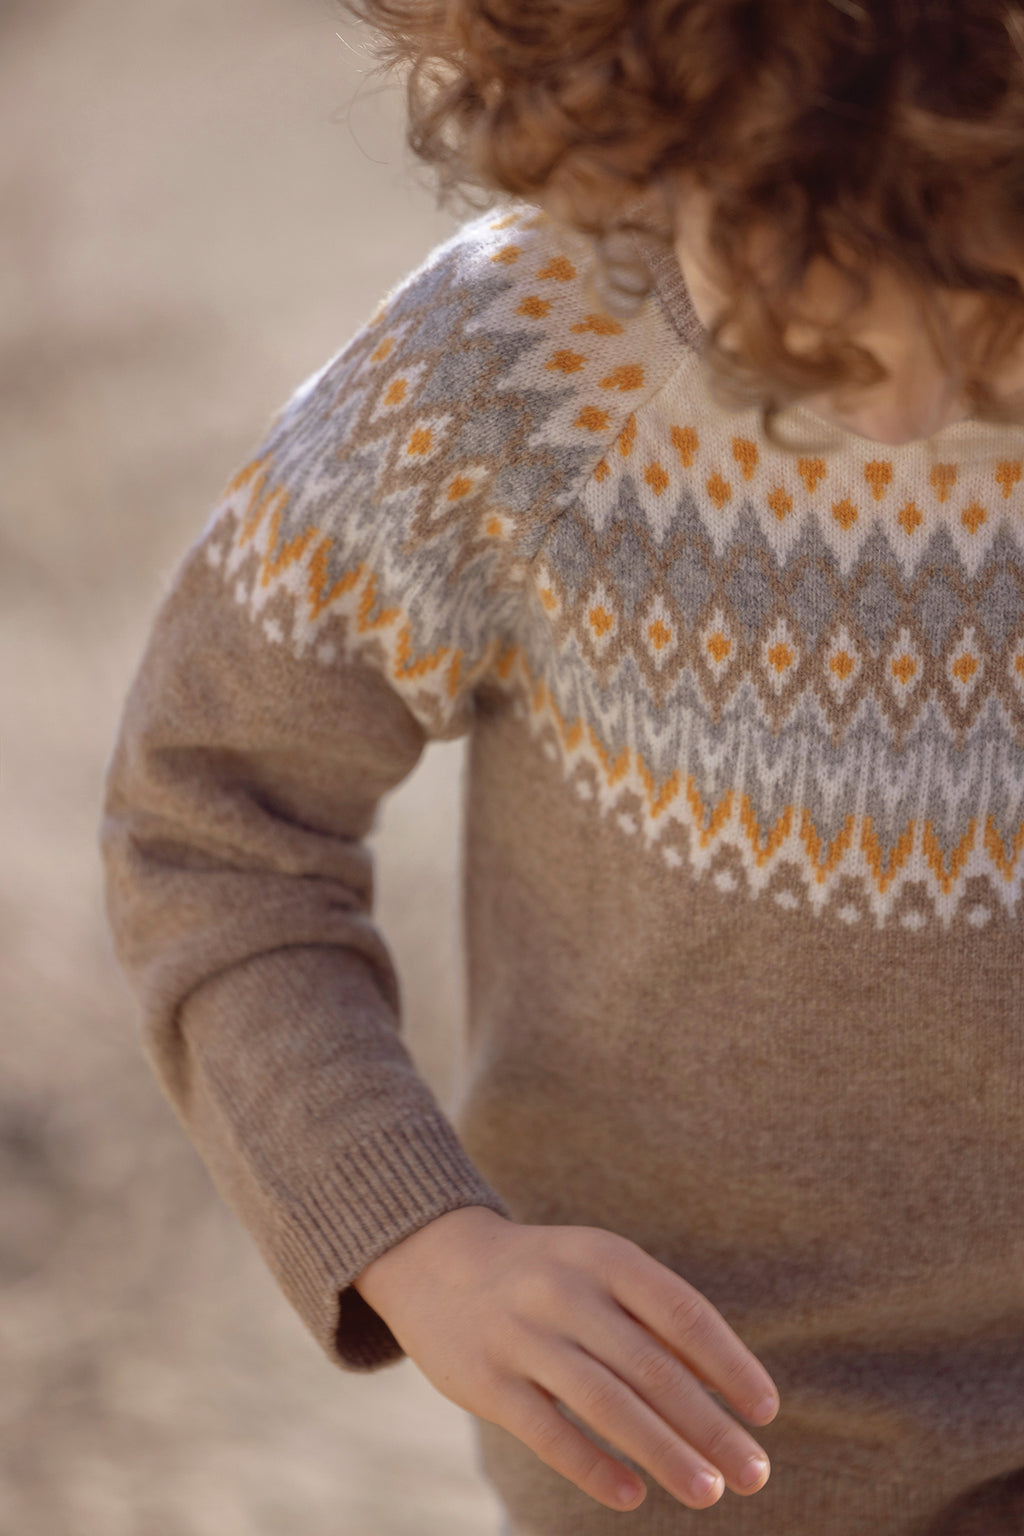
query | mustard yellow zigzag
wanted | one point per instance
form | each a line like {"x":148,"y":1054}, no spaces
{"x":311,"y":548}
{"x":706,"y":819}
{"x":763,"y":842}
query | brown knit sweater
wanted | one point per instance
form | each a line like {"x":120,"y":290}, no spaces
{"x":744,"y":840}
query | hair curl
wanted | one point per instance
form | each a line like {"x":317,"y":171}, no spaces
{"x":887,"y":132}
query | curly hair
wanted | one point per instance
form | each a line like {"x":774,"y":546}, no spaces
{"x":885,"y":132}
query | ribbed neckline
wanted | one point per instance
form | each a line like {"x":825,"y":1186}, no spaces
{"x":670,"y":286}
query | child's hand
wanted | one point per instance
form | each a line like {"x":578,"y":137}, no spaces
{"x":507,"y":1320}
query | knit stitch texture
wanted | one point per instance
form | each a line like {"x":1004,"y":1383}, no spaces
{"x":744,"y":842}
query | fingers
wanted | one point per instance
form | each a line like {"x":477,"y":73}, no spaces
{"x":696,"y":1331}
{"x":658,"y":1378}
{"x":608,"y":1405}
{"x":530,"y":1414}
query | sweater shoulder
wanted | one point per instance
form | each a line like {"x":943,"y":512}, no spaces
{"x":400,"y":499}
{"x":472,"y":405}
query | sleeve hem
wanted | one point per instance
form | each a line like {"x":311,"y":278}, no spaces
{"x":394,"y":1182}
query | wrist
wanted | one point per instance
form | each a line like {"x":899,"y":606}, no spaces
{"x":439,"y":1243}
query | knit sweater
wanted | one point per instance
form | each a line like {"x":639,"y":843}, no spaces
{"x":743,"y":847}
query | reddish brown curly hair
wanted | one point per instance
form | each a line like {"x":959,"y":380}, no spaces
{"x":882,"y":132}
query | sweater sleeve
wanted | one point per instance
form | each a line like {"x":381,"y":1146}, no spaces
{"x":344,"y":598}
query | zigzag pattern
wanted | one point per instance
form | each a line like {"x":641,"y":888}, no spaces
{"x":889,"y":854}
{"x":678,"y":608}
{"x":285,"y":585}
{"x":877,"y":862}
{"x":875,"y":636}
{"x":779,"y":675}
{"x":683,"y":445}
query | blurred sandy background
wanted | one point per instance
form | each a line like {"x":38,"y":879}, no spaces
{"x":200,"y":201}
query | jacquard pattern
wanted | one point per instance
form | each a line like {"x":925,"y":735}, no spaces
{"x":801,"y":677}
{"x":400,"y":495}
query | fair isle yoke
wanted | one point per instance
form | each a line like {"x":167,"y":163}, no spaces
{"x":446,"y":438}
{"x":800,"y":676}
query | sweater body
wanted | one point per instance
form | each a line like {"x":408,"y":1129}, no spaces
{"x":743,"y":842}
{"x":820,"y":1135}
{"x":741,"y":864}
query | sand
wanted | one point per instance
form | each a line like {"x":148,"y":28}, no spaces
{"x":201,"y":202}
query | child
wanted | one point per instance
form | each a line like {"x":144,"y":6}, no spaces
{"x":742,"y":1118}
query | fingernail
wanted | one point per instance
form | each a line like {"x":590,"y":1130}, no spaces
{"x":753,"y":1472}
{"x":629,"y":1491}
{"x":704,"y":1482}
{"x":767,"y":1409}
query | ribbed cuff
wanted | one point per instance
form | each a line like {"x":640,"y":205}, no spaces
{"x":308,"y":1110}
{"x":396,"y":1181}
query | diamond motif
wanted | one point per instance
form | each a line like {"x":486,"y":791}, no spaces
{"x":653,"y":520}
{"x":658,"y":631}
{"x":843,"y":664}
{"x":600,"y":619}
{"x":718,"y":645}
{"x":396,"y":394}
{"x":465,"y":483}
{"x":780,"y":655}
{"x":426,"y":439}
{"x":903,"y":668}
{"x":965,"y":665}
{"x":547,"y":591}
